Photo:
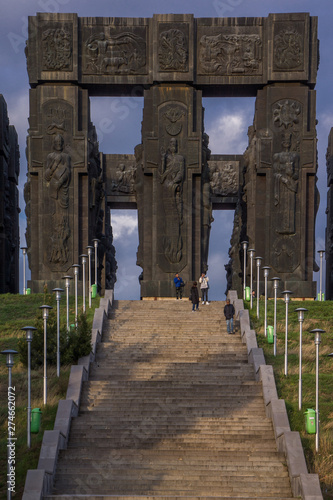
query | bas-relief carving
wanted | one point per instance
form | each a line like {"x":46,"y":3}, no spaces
{"x":57,"y":49}
{"x":171,"y":177}
{"x":173,"y":50}
{"x":97,"y":191}
{"x":223,"y":178}
{"x":124,"y":53}
{"x":57,"y":179}
{"x":230,"y":54}
{"x":124,"y":179}
{"x":207,"y":210}
{"x":288,"y":50}
{"x":173,"y":116}
{"x":286,"y":174}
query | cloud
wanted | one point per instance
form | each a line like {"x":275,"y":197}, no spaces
{"x":124,"y":225}
{"x":228,"y":130}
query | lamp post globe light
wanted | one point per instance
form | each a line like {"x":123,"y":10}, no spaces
{"x":251,"y":254}
{"x":29,"y":330}
{"x":9,"y":353}
{"x":258,"y":263}
{"x":90,"y":251}
{"x":275,"y":286}
{"x":76,"y":268}
{"x":24,"y":251}
{"x":266,"y":270}
{"x":321,"y":254}
{"x":58,"y":292}
{"x":317,"y":340}
{"x":45,"y":309}
{"x":84,"y":261}
{"x":300,"y":311}
{"x":244,"y":246}
{"x":286,"y":294}
{"x":67,"y":286}
{"x":96,"y":241}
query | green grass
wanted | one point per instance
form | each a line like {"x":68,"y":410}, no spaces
{"x":318,"y":315}
{"x":17,"y":311}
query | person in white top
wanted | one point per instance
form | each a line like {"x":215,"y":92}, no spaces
{"x":203,"y":280}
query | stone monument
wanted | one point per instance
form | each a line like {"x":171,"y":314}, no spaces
{"x":9,"y":204}
{"x":172,"y":178}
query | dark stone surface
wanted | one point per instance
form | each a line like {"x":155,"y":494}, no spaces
{"x":329,"y":226}
{"x":172,"y":179}
{"x":9,"y":204}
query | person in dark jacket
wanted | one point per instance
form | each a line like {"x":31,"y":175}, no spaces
{"x":229,"y":312}
{"x":194,"y":297}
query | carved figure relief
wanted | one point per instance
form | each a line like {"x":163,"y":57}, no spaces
{"x":173,"y":51}
{"x":172,"y":175}
{"x":57,"y":178}
{"x":230,"y":54}
{"x":288,"y":50}
{"x":250,"y":164}
{"x":173,"y":115}
{"x":57,"y":50}
{"x":286,"y":174}
{"x":207,"y":210}
{"x":124,"y":180}
{"x":285,"y":254}
{"x":118,"y":54}
{"x":223,"y":178}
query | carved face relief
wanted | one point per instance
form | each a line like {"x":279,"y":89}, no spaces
{"x":173,"y":51}
{"x":57,"y":48}
{"x":223,"y":178}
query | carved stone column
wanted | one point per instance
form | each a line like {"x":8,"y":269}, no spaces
{"x":329,"y":226}
{"x":170,"y":201}
{"x":9,"y":204}
{"x":280,"y":184}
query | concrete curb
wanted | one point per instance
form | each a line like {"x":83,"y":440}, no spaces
{"x":39,"y":482}
{"x":303,"y":484}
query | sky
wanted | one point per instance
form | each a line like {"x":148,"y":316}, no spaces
{"x":118,"y":120}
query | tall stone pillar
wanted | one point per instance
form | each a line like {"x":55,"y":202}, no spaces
{"x":280,"y":184}
{"x":171,"y":195}
{"x":9,"y":204}
{"x":329,"y":226}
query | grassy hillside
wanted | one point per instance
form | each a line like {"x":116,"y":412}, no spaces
{"x":319,"y":315}
{"x":17,"y":311}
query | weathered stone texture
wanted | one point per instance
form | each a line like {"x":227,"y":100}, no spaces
{"x":9,"y":204}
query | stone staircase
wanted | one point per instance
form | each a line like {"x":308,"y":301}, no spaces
{"x":171,"y":411}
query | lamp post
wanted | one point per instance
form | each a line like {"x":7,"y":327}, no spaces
{"x":275,"y":286}
{"x":9,"y":353}
{"x":90,"y":250}
{"x":84,"y":261}
{"x":317,"y":333}
{"x":321,"y":254}
{"x":24,"y":251}
{"x":58,"y":292}
{"x":300,"y":311}
{"x":76,"y":268}
{"x":286,"y":294}
{"x":251,"y":253}
{"x":29,"y":330}
{"x":67,"y":285}
{"x":258,"y":263}
{"x":244,"y":245}
{"x":266,"y":270}
{"x":46,"y":310}
{"x":96,"y":241}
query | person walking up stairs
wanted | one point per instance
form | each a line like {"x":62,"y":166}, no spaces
{"x":171,"y":411}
